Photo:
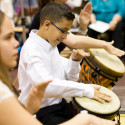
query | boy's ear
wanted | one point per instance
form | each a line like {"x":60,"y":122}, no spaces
{"x":47,"y":24}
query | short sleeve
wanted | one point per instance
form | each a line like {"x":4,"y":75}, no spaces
{"x":4,"y":92}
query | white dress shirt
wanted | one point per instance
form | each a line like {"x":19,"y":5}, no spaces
{"x":39,"y":61}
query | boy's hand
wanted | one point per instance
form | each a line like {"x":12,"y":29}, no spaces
{"x":113,"y":50}
{"x":99,"y":96}
{"x":79,"y":54}
{"x":35,"y":96}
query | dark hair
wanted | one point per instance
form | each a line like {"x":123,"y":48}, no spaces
{"x":54,"y":12}
{"x":42,"y":3}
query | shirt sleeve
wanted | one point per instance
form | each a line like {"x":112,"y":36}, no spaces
{"x":72,"y":69}
{"x":4,"y":92}
{"x":57,"y":88}
{"x":120,"y":8}
{"x":68,"y":89}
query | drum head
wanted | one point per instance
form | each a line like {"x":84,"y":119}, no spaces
{"x":97,"y":107}
{"x":106,"y":62}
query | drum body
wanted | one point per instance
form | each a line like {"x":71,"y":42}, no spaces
{"x":107,"y":110}
{"x":101,"y":68}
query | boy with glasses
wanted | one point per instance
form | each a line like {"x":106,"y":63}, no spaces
{"x":40,"y":61}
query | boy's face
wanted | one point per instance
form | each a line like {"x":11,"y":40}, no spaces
{"x":58,"y":31}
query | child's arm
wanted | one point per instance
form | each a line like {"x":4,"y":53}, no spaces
{"x":80,"y":42}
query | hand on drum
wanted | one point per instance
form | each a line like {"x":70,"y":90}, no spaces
{"x":113,"y":50}
{"x":99,"y":96}
{"x":35,"y":97}
{"x":79,"y":54}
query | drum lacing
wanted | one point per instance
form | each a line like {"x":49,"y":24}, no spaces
{"x":99,"y":71}
{"x":118,"y":119}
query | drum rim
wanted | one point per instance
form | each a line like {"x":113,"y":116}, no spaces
{"x":94,"y":112}
{"x":91,"y":59}
{"x":103,"y":73}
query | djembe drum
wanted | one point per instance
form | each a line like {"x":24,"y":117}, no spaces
{"x":101,"y":68}
{"x":106,"y":110}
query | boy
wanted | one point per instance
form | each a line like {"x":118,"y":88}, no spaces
{"x":40,"y":61}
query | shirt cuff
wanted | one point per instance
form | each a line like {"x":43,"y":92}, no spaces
{"x":89,"y":91}
{"x":75,"y":63}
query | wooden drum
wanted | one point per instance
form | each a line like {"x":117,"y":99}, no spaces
{"x":101,"y":68}
{"x":107,"y":110}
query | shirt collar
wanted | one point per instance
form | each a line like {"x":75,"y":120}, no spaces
{"x":42,"y":42}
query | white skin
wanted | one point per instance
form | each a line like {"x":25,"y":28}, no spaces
{"x":8,"y":44}
{"x":85,"y":16}
{"x":83,"y":119}
{"x":33,"y":103}
{"x":79,"y":41}
{"x":10,"y":106}
{"x":9,"y":116}
{"x":57,"y":36}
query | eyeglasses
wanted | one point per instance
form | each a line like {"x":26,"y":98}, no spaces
{"x":64,"y":33}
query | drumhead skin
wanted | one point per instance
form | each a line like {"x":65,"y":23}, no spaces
{"x":106,"y":62}
{"x":97,"y":107}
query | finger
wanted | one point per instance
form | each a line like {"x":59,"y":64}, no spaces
{"x":75,"y":51}
{"x":104,"y":97}
{"x":97,"y":87}
{"x":99,"y":100}
{"x":33,"y":92}
{"x":106,"y":94}
{"x":88,"y":6}
{"x":112,"y":42}
{"x":120,"y":52}
{"x":82,"y":53}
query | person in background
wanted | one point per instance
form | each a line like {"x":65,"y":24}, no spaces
{"x":36,"y":20}
{"x":111,"y":12}
{"x":7,"y":7}
{"x":9,"y":104}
